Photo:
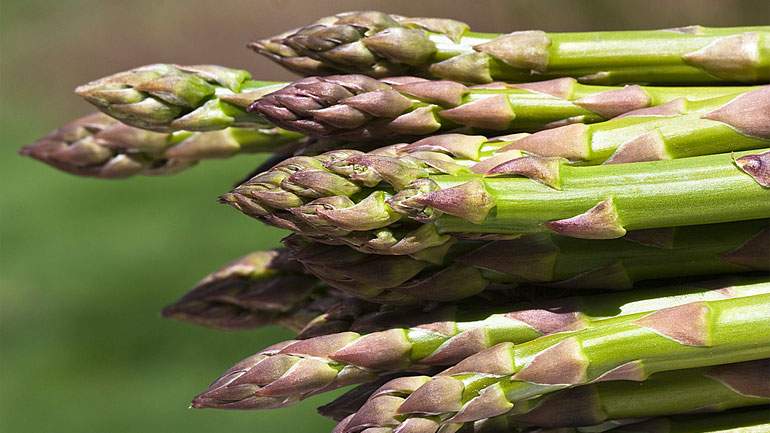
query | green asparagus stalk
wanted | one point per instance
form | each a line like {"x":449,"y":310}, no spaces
{"x":500,"y":379}
{"x":754,"y":419}
{"x":675,"y":130}
{"x":198,"y":98}
{"x":167,"y":98}
{"x":356,"y":107}
{"x":100,"y":146}
{"x":465,"y":267}
{"x":381,"y":45}
{"x":290,"y":371}
{"x":741,"y":421}
{"x":405,"y":198}
{"x":707,"y":389}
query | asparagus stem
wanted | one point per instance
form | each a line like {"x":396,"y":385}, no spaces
{"x":709,"y":389}
{"x":464,"y":267}
{"x":200,"y":98}
{"x":406,"y":198}
{"x":692,"y":335}
{"x":289,"y":371}
{"x":356,"y":107}
{"x":380,"y":45}
{"x":99,"y":146}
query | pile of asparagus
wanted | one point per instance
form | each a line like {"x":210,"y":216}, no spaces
{"x":526,"y":232}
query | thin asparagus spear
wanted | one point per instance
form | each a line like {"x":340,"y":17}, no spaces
{"x":356,"y":107}
{"x":201,"y":98}
{"x":464,"y":267}
{"x":709,"y":389}
{"x":289,"y":371}
{"x":406,"y":198}
{"x":381,"y":45}
{"x":100,"y":146}
{"x":501,"y":379}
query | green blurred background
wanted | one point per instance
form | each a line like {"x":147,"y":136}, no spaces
{"x":85,"y":265}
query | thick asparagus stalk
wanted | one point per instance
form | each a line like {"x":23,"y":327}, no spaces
{"x":500,"y":379}
{"x":357,"y":107}
{"x":380,"y":45}
{"x":100,"y":146}
{"x":406,"y":198}
{"x":467,"y":267}
{"x":709,"y":389}
{"x":170,"y":98}
{"x":290,"y":371}
{"x":749,"y":420}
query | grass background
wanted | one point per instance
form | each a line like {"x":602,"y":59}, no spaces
{"x":85,"y":265}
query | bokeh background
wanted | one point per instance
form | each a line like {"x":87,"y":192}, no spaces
{"x":86,"y":265}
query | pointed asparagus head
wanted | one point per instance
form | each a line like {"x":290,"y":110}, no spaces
{"x":358,"y":107}
{"x":282,"y":374}
{"x":99,"y":146}
{"x":257,"y":289}
{"x":165,"y":97}
{"x":369,"y":42}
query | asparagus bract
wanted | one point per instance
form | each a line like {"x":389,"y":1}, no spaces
{"x":692,"y":335}
{"x":169,"y":98}
{"x":466,"y":267}
{"x":709,"y":389}
{"x":357,"y":107}
{"x":406,"y":198}
{"x":380,"y":45}
{"x":100,"y":146}
{"x":292,"y":370}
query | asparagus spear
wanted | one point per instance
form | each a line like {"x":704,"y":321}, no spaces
{"x":750,"y":420}
{"x":100,"y":146}
{"x":753,"y":419}
{"x":270,"y":287}
{"x":465,"y":267}
{"x":380,"y":45}
{"x":406,"y":198}
{"x":169,"y":98}
{"x":708,"y":389}
{"x":356,"y":107}
{"x":289,"y":371}
{"x":501,"y":379}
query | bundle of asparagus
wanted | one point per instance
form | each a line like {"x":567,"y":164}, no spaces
{"x":523,"y":236}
